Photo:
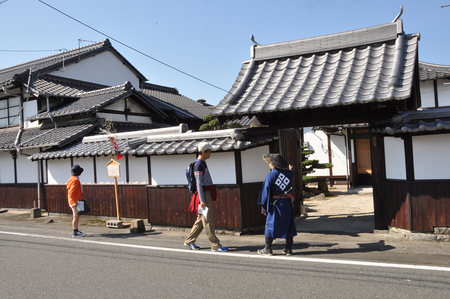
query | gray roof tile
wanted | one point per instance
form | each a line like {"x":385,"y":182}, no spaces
{"x":89,"y":101}
{"x":221,"y":141}
{"x":59,"y":86}
{"x":374,"y":64}
{"x":418,"y":121}
{"x":429,"y":71}
{"x":46,"y":136}
{"x":182,"y":105}
{"x":92,"y":101}
{"x":46,"y":64}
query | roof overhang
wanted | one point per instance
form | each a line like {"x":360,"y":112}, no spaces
{"x":356,"y":70}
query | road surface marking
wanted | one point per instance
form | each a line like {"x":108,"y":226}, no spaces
{"x":232,"y":254}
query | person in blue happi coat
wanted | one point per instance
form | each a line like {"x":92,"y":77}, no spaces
{"x":276,"y":204}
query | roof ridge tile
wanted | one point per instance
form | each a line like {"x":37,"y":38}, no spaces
{"x":122,"y":87}
{"x":102,"y":43}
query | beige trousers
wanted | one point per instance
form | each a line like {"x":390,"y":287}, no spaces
{"x":206,"y":223}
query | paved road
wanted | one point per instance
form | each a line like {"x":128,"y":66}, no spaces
{"x":346,"y":259}
{"x":44,"y":261}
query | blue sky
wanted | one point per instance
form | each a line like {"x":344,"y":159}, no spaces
{"x":207,"y":39}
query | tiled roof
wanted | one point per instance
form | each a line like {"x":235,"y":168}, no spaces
{"x":244,"y":121}
{"x":169,"y":144}
{"x":183,"y":106}
{"x":130,"y":127}
{"x":44,"y":65}
{"x":46,"y":136}
{"x":93,"y":101}
{"x":79,"y":150}
{"x":89,"y":101}
{"x":418,"y":121}
{"x":374,"y":64}
{"x":429,"y":71}
{"x":59,"y":86}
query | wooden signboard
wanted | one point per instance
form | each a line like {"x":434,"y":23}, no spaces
{"x":114,"y":171}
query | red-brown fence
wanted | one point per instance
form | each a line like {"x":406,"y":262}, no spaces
{"x":236,"y":207}
{"x":101,"y":200}
{"x":19,"y":196}
{"x":168,"y":205}
{"x":429,"y":204}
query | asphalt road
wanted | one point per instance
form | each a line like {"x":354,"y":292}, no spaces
{"x":337,"y":254}
{"x":41,"y":261}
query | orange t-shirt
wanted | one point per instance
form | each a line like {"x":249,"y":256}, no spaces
{"x":75,"y":192}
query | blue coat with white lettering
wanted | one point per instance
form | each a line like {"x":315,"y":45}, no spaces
{"x":280,"y":217}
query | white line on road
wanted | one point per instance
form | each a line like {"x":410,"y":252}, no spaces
{"x":231,"y":254}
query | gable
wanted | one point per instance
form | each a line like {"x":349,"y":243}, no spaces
{"x":126,"y":109}
{"x":104,"y":68}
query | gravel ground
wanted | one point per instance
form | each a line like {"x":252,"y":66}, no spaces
{"x":340,"y":205}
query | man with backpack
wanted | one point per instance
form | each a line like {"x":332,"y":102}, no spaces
{"x":203,"y":197}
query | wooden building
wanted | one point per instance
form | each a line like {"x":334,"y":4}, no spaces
{"x":367,"y":76}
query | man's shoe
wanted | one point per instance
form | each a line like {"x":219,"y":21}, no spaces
{"x":221,"y":249}
{"x":287,"y":251}
{"x":265,"y":251}
{"x":192,"y":246}
{"x":77,"y":234}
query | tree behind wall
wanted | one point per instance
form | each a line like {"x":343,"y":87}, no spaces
{"x":309,"y":166}
{"x":212,"y":123}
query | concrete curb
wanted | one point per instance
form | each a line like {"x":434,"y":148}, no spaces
{"x":418,"y":236}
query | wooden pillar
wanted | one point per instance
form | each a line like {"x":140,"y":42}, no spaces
{"x":378,"y":177}
{"x":409,"y":164}
{"x":290,"y":141}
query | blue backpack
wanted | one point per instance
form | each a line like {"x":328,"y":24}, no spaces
{"x":190,"y":176}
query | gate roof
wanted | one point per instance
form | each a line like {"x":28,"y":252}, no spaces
{"x":370,"y":65}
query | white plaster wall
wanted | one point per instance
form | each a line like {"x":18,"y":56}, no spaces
{"x":58,"y":171}
{"x":443,"y":93}
{"x":319,"y":143}
{"x":171,"y":169}
{"x":6,"y":168}
{"x":87,"y":177}
{"x":353,"y":151}
{"x":30,"y":109}
{"x":431,"y":157}
{"x":44,"y":171}
{"x":427,"y":94}
{"x":254,"y":168}
{"x":138,"y":170}
{"x":395,"y":164}
{"x":338,"y":157}
{"x":222,"y":167}
{"x":102,"y":170}
{"x":27,"y":170}
{"x":121,"y":118}
{"x":104,"y":68}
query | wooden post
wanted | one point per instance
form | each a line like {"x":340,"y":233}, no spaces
{"x":117,"y":198}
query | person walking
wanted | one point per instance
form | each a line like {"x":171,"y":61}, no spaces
{"x":203,"y":197}
{"x":75,"y":193}
{"x":276,"y":204}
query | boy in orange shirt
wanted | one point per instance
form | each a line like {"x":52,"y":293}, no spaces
{"x":75,"y":193}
